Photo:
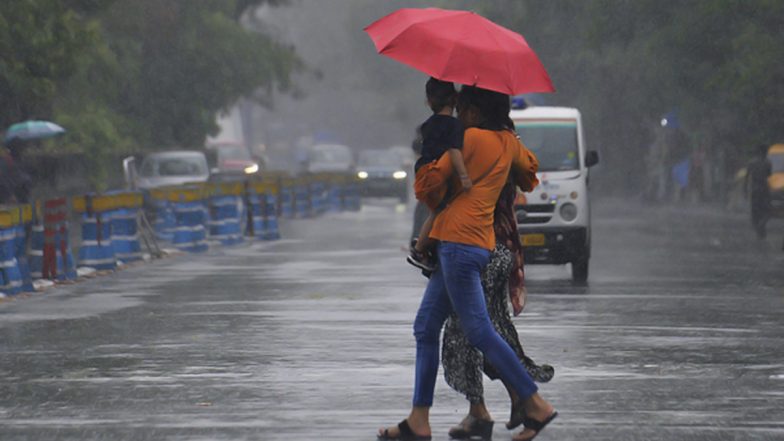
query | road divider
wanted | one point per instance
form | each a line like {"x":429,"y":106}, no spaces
{"x":35,"y":239}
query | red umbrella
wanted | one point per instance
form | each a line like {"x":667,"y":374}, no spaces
{"x":461,"y":47}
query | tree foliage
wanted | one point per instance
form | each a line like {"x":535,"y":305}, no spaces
{"x":128,"y":76}
{"x":627,"y":63}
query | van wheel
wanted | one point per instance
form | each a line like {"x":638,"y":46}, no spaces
{"x":580,"y":271}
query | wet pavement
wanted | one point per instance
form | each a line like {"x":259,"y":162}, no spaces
{"x":679,"y":336}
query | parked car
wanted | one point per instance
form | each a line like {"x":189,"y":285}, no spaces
{"x":382,"y":174}
{"x":162,"y":169}
{"x":231,"y":159}
{"x":330,"y":158}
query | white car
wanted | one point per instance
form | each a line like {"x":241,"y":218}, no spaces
{"x":554,"y":220}
{"x":330,"y":158}
{"x":163,"y":169}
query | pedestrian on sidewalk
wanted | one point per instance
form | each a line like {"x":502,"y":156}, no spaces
{"x":757,"y":173}
{"x":502,"y":281}
{"x":464,"y":229}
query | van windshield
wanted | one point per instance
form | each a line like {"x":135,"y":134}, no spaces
{"x":553,"y":142}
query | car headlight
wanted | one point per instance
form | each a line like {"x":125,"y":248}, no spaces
{"x":400,"y":174}
{"x":568,"y":212}
{"x":362,"y":175}
{"x":249,"y":170}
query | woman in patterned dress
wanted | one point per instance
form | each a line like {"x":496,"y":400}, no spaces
{"x":463,"y":364}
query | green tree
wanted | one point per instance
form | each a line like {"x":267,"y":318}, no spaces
{"x":133,"y":76}
{"x":39,"y":46}
{"x":627,"y":63}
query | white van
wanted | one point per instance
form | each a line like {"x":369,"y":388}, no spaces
{"x":554,"y":220}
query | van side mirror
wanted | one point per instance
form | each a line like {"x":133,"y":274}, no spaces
{"x":591,"y":158}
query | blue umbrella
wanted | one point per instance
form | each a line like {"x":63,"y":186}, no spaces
{"x":28,"y":130}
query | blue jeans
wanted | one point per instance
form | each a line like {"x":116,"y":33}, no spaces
{"x":456,"y":284}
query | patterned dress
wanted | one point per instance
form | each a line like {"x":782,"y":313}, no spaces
{"x":463,"y":364}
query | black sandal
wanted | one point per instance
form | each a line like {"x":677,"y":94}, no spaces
{"x":537,"y":426}
{"x":517,"y":416}
{"x":406,"y":434}
{"x":472,"y":427}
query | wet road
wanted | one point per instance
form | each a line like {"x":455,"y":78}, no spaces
{"x":678,"y":337}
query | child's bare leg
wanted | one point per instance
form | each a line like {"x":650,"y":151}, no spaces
{"x":456,"y":157}
{"x":423,"y":241}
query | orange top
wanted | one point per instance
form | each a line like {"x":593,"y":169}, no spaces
{"x":468,"y":219}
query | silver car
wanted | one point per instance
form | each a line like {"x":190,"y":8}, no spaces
{"x":163,"y":169}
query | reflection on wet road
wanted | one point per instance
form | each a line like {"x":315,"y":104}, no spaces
{"x":679,"y":336}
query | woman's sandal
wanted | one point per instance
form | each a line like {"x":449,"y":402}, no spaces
{"x":472,"y":427}
{"x":517,"y":416}
{"x":536,"y":426}
{"x":405,"y":434}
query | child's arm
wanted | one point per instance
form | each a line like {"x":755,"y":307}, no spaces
{"x":456,"y":157}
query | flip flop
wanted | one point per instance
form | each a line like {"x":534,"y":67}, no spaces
{"x":536,"y":426}
{"x":406,"y":434}
{"x":517,"y":417}
{"x":472,"y":427}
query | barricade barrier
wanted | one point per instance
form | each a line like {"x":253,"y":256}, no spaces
{"x":186,"y":215}
{"x":14,"y":269}
{"x":36,"y":253}
{"x":191,"y":216}
{"x":262,"y":206}
{"x":110,"y":228}
{"x":97,"y":250}
{"x":21,"y":252}
{"x":11,"y":281}
{"x":165,"y":221}
{"x":226,"y":212}
{"x":125,"y":235}
{"x":318,"y":192}
{"x":58,"y":262}
{"x":287,"y":197}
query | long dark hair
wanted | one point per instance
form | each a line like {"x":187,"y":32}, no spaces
{"x":493,"y":107}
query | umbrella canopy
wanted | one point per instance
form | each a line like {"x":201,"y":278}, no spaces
{"x":461,"y":47}
{"x":28,"y":130}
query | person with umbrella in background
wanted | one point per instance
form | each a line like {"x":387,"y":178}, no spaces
{"x":495,"y":62}
{"x":15,"y":183}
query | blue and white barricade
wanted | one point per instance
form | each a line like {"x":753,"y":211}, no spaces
{"x":10,"y":276}
{"x":287,"y":199}
{"x":21,"y":257}
{"x":189,"y":234}
{"x":255,"y":202}
{"x":271,"y":231}
{"x":165,"y":220}
{"x":318,"y":196}
{"x":334,"y":199}
{"x":36,"y":253}
{"x":225,"y":219}
{"x":263,"y":205}
{"x":97,"y":249}
{"x":302,"y":200}
{"x":125,"y":234}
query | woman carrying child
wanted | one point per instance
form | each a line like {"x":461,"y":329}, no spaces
{"x":465,"y":234}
